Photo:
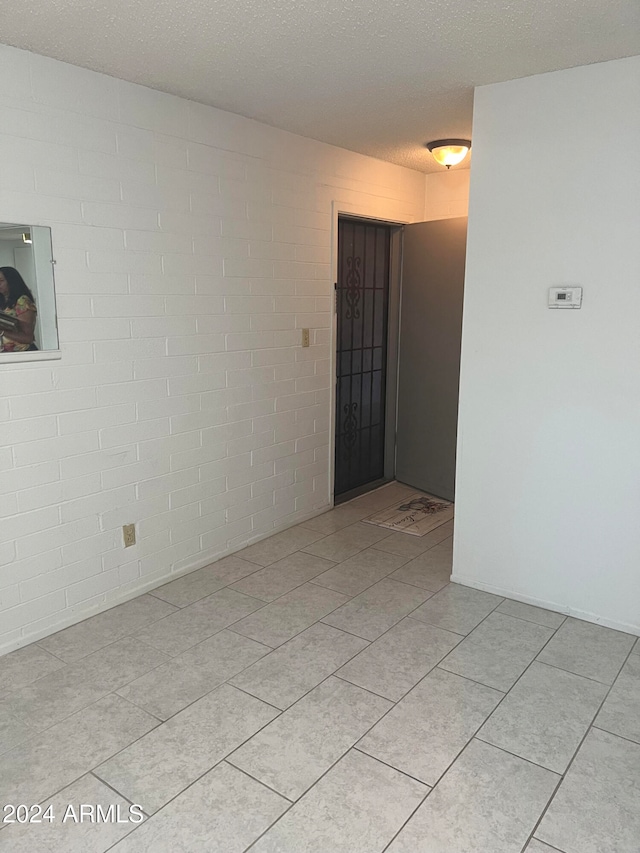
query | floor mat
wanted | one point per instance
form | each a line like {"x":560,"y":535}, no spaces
{"x":416,"y":514}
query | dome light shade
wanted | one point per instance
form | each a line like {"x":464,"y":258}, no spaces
{"x":449,"y":152}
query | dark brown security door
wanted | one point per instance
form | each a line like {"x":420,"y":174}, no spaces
{"x":362,"y":309}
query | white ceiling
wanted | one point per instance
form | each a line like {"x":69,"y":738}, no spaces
{"x":377,"y":77}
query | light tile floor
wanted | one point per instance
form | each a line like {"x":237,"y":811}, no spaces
{"x":324,"y":691}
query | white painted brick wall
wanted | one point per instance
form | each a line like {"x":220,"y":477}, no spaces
{"x":447,"y":194}
{"x":192,"y":245}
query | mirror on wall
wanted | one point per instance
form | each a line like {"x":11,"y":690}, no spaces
{"x":28,"y":321}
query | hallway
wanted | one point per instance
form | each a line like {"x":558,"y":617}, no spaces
{"x":326,"y":690}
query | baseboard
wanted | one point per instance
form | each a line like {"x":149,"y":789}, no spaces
{"x":548,"y":605}
{"x":204,"y":559}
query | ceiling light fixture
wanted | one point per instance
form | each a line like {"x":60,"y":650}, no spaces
{"x":26,"y":237}
{"x":449,"y":152}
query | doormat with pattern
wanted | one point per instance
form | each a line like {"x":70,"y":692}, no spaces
{"x":417,"y":514}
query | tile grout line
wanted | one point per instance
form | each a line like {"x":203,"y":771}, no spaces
{"x":518,"y":679}
{"x":407,"y":616}
{"x":411,"y":816}
{"x":389,"y":710}
{"x":550,"y":846}
{"x":310,"y":788}
{"x":181,"y":607}
{"x":319,"y":684}
{"x":270,"y":649}
{"x":78,"y":661}
{"x":337,"y":607}
{"x":204,"y":639}
{"x":193,"y":782}
{"x":417,"y":586}
{"x":376,"y":547}
{"x":353,"y":746}
{"x":515,"y":754}
{"x":359,"y":749}
{"x":91,"y":772}
{"x":78,"y":711}
{"x":579,"y":674}
{"x":117,"y":639}
{"x":246,"y":692}
{"x":535,"y":659}
{"x":368,"y":690}
{"x":49,"y":797}
{"x":111,"y":788}
{"x":53,"y":654}
{"x":273,"y":536}
{"x":219,"y":684}
{"x":458,"y":755}
{"x":420,"y":804}
{"x":531,"y":621}
{"x":614,"y":734}
{"x":258,"y":569}
{"x":114,"y":691}
{"x":185,"y":607}
{"x":240,"y":619}
{"x":318,"y":621}
{"x":590,"y":727}
{"x":433,"y":624}
{"x":227,"y":760}
{"x":464,"y":636}
{"x":229,"y":627}
{"x":294,"y":588}
{"x":314,"y":581}
{"x":451,"y":765}
{"x":359,"y":551}
{"x":371,"y":642}
{"x":474,"y":680}
{"x":235,"y":767}
{"x":334,"y":674}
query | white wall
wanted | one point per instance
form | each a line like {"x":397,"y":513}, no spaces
{"x":7,"y":249}
{"x":548,"y":487}
{"x":446,"y":194}
{"x":192,"y":246}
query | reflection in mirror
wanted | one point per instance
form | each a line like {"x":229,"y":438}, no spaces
{"x":27,"y":294}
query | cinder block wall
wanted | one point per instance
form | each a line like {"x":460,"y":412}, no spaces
{"x":192,"y":245}
{"x":447,"y":194}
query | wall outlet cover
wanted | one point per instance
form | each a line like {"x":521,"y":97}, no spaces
{"x":129,"y":535}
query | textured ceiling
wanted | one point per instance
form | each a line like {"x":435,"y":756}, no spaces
{"x":376,"y":77}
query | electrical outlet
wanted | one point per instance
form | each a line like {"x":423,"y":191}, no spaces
{"x":129,"y":535}
{"x":305,"y":337}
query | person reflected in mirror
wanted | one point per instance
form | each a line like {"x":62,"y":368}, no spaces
{"x":16,"y":300}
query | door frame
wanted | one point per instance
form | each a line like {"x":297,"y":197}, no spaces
{"x":352,"y":211}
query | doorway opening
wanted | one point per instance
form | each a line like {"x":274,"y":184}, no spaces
{"x":399,"y":295}
{"x":366,"y":309}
